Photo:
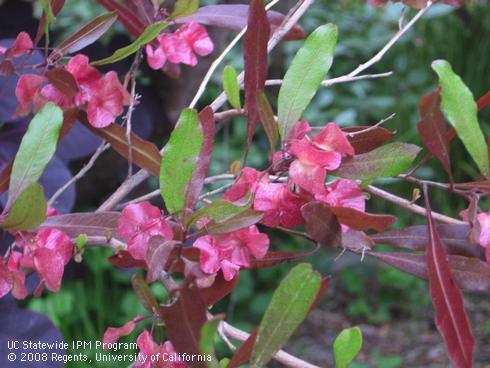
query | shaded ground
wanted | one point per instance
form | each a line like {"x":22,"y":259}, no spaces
{"x":398,"y":343}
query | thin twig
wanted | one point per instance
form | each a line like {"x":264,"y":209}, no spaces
{"x":219,"y":59}
{"x":104,"y":242}
{"x":278,"y":35}
{"x":104,"y":146}
{"x":402,"y":202}
{"x":281,"y":356}
{"x":376,"y":58}
{"x":338,"y":80}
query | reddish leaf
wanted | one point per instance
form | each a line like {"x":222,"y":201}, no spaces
{"x":219,"y":290}
{"x":483,"y":101}
{"x":453,"y":236}
{"x":91,"y":224}
{"x":359,"y":220}
{"x":432,"y":129}
{"x":321,"y":224}
{"x":469,"y":273}
{"x":63,"y":80}
{"x":5,"y":177}
{"x":276,"y":258}
{"x":234,"y":17}
{"x":87,"y":35}
{"x":184,"y":320}
{"x":123,"y":259}
{"x":366,"y":140}
{"x":56,"y":6}
{"x":144,"y":293}
{"x":268,"y":120}
{"x":451,"y":319}
{"x":243,"y":354}
{"x":144,"y":154}
{"x":159,"y":249}
{"x":129,"y":19}
{"x":255,"y":62}
{"x":206,"y":118}
{"x":321,"y":292}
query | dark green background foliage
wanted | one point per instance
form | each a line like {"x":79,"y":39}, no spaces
{"x":363,"y":293}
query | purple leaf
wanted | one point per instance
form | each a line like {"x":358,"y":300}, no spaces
{"x":234,"y":17}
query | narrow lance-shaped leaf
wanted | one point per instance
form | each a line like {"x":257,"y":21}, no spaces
{"x":220,"y":211}
{"x":230,"y":85}
{"x":144,"y":153}
{"x":148,"y":35}
{"x":469,"y":274}
{"x":388,"y":160}
{"x":89,"y":33}
{"x":91,"y":224}
{"x":304,"y":76}
{"x":432,"y":129}
{"x":289,"y":306}
{"x":179,"y":160}
{"x":36,"y":149}
{"x":241,"y":220}
{"x":268,"y":120}
{"x":184,"y":8}
{"x":234,"y":17}
{"x":255,"y":62}
{"x":346,"y":346}
{"x":208,"y":125}
{"x":144,"y":293}
{"x":451,"y":319}
{"x":129,"y":19}
{"x":28,"y":210}
{"x":460,"y":109}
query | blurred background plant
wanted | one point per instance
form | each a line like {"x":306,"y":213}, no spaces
{"x":392,"y":308}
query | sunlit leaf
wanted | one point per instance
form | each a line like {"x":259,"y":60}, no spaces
{"x":148,"y":35}
{"x":28,"y":210}
{"x":289,"y":306}
{"x":36,"y":149}
{"x":184,"y":8}
{"x":206,"y":343}
{"x":179,"y":160}
{"x":230,"y":85}
{"x":346,"y":346}
{"x":388,"y":160}
{"x":460,"y":109}
{"x":304,"y":76}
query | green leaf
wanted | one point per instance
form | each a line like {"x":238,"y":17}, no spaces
{"x":36,"y":149}
{"x":179,"y":160}
{"x":268,"y":120}
{"x":287,"y":309}
{"x":184,"y":8}
{"x":221,"y":210}
{"x":28,"y":211}
{"x":224,"y":362}
{"x":144,"y":293}
{"x":46,"y":5}
{"x":304,"y":76}
{"x":346,"y":346}
{"x":460,"y":109}
{"x":243,"y":219}
{"x":206,"y":343}
{"x":388,"y":160}
{"x":148,"y":35}
{"x":230,"y":85}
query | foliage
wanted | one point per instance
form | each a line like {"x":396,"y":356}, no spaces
{"x":198,"y":244}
